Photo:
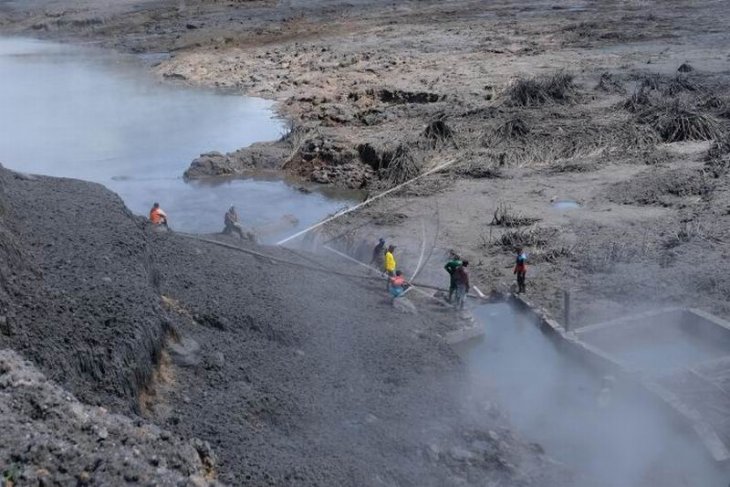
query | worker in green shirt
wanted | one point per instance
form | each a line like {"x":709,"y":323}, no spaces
{"x":451,"y":267}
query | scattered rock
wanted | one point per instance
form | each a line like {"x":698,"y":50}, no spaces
{"x":216,"y":360}
{"x":185,"y":353}
{"x":63,"y":447}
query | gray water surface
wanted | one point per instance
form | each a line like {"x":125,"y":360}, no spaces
{"x":89,"y":114}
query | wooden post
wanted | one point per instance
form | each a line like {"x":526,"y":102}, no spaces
{"x":566,"y":309}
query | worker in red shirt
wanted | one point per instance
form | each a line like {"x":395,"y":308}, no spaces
{"x":461,"y":279}
{"x":520,"y":270}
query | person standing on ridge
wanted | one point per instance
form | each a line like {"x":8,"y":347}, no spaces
{"x":158,"y":216}
{"x":389,"y":264}
{"x":231,"y":222}
{"x":461,"y":278}
{"x":378,"y":254}
{"x":520,"y":270}
{"x":451,"y":267}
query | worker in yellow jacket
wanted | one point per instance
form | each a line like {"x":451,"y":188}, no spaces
{"x":389,"y":262}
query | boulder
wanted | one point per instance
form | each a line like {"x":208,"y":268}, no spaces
{"x":262,"y":155}
{"x":185,"y":353}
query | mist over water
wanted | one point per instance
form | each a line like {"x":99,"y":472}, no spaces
{"x":90,"y":114}
{"x":606,"y":431}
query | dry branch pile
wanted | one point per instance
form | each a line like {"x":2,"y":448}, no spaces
{"x":676,"y":122}
{"x":534,"y":237}
{"x":402,"y":165}
{"x":530,"y":92}
{"x":506,"y":216}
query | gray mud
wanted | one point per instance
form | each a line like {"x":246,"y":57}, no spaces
{"x":77,"y":293}
{"x":50,"y":438}
{"x":294,"y":375}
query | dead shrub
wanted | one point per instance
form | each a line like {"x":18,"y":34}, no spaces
{"x":506,"y":216}
{"x":401,"y":165}
{"x":529,"y":92}
{"x":675,"y":123}
{"x":534,"y":237}
{"x":571,"y":146}
{"x":437,"y":133}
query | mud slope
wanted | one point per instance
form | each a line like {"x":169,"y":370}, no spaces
{"x":309,"y":378}
{"x":76,"y":293}
{"x":294,"y":375}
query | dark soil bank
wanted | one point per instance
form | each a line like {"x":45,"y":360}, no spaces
{"x":76,"y":293}
{"x":295,"y":376}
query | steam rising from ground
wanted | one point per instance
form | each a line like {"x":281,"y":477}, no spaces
{"x":612,"y":436}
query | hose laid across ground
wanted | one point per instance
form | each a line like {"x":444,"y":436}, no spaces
{"x":301,"y":265}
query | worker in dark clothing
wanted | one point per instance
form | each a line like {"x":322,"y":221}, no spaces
{"x":461,"y":278}
{"x":451,"y":267}
{"x":521,"y":270}
{"x":232,"y":223}
{"x":378,"y":254}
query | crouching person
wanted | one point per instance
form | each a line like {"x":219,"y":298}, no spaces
{"x":232,"y":223}
{"x":397,"y":284}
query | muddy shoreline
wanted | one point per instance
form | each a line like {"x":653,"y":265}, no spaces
{"x":367,"y":84}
